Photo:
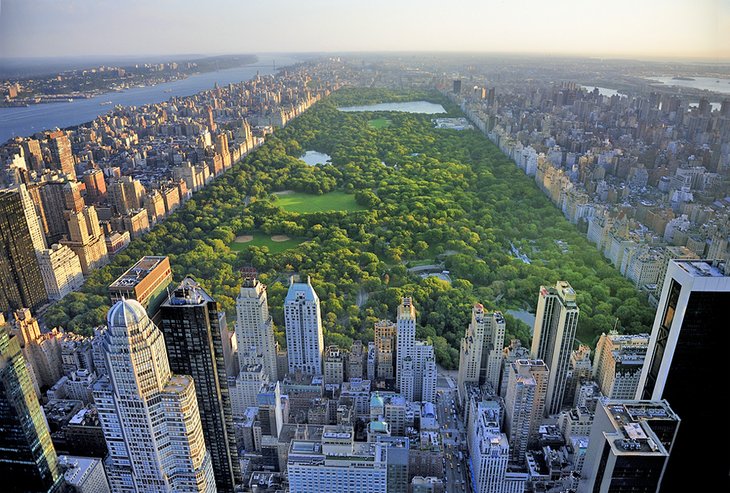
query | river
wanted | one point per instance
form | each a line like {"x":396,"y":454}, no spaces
{"x":39,"y":117}
{"x":705,"y":83}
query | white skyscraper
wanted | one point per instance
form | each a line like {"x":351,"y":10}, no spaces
{"x":556,"y":321}
{"x":149,"y":416}
{"x":489,"y":451}
{"x":405,"y":340}
{"x":424,"y":372}
{"x":303,"y":321}
{"x":254,"y":328}
{"x":480,"y":358}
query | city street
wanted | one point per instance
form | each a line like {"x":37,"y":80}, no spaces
{"x":453,"y":433}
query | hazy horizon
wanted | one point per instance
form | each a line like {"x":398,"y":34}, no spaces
{"x":647,"y":30}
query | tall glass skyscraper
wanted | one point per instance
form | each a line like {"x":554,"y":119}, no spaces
{"x":193,"y":340}
{"x":685,"y":364}
{"x":28,"y":461}
{"x":21,"y":283}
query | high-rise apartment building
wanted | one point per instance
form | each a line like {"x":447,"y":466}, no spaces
{"x":86,"y":238}
{"x":31,"y":218}
{"x":21,"y":283}
{"x":60,"y":270}
{"x":303,"y":322}
{"x":691,"y":317}
{"x":95,"y":186}
{"x":255,"y":328}
{"x":629,"y":447}
{"x":405,"y":341}
{"x":334,"y":366}
{"x":527,"y":387}
{"x":480,"y":357}
{"x":53,"y":204}
{"x":425,"y":373}
{"x":61,"y":154}
{"x":490,"y":455}
{"x":190,"y":324}
{"x":28,"y":460}
{"x":619,"y":360}
{"x":556,"y":321}
{"x":33,"y":155}
{"x":385,"y":349}
{"x":149,"y":415}
{"x":41,"y":351}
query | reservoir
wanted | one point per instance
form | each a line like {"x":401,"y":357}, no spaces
{"x":313,"y":158}
{"x":39,"y":117}
{"x":406,"y":107}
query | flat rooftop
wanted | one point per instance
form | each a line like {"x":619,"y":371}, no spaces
{"x":135,"y":274}
{"x":701,"y":268}
{"x":632,"y":423}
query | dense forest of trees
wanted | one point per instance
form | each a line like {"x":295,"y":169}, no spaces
{"x":445,"y":195}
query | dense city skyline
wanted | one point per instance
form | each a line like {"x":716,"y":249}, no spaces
{"x":421,"y":271}
{"x":648,"y":29}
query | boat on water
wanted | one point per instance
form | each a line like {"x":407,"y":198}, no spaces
{"x":105,"y":103}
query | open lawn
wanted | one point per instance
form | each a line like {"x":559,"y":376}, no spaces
{"x":304,"y":203}
{"x":276,"y":243}
{"x":379,"y":123}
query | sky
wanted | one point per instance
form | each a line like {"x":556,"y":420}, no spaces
{"x":673,"y":29}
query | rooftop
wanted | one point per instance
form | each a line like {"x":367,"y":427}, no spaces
{"x":135,"y":274}
{"x":703,"y":268}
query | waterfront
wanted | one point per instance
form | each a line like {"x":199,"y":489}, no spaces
{"x":37,"y":118}
{"x":407,"y":107}
{"x":703,"y":83}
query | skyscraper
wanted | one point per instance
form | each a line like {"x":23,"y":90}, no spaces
{"x":21,"y":284}
{"x":489,"y":451}
{"x":61,"y":154}
{"x":31,"y":218}
{"x":525,"y":404}
{"x":303,"y":321}
{"x":192,"y":337}
{"x":385,"y":340}
{"x":86,"y":238}
{"x":629,"y":447}
{"x":556,"y":321}
{"x":480,"y":358}
{"x":255,"y":328}
{"x":406,"y":339}
{"x":149,"y":415}
{"x":28,"y":460}
{"x":690,"y":320}
{"x":619,"y":361}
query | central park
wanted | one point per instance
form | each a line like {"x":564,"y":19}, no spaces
{"x":397,"y":193}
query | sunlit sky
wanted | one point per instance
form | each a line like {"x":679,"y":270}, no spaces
{"x":613,"y":28}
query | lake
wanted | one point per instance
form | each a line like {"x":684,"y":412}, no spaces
{"x":707,"y":83}
{"x":406,"y":107}
{"x":603,"y":91}
{"x":38,"y":117}
{"x":313,"y":158}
